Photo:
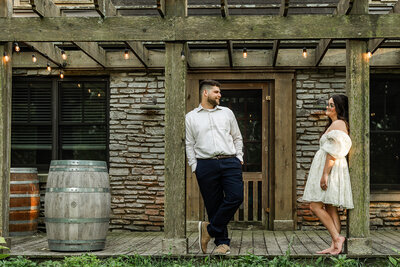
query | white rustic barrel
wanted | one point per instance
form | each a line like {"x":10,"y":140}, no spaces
{"x":77,"y":205}
{"x":24,"y":201}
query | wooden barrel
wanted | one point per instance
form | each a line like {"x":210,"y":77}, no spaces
{"x":24,"y":201}
{"x":77,"y":205}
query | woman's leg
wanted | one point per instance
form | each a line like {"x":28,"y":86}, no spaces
{"x":318,"y":209}
{"x":333,"y":212}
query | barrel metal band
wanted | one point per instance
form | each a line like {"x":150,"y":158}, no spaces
{"x":25,"y":208}
{"x":55,"y":163}
{"x":78,"y":189}
{"x":80,"y":220}
{"x":23,"y":170}
{"x":93,"y":241}
{"x":23,"y":222}
{"x":77,"y":169}
{"x":25,"y":182}
{"x":75,"y":248}
{"x":24,"y":195}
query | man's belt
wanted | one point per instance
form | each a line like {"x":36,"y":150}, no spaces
{"x":221,"y":157}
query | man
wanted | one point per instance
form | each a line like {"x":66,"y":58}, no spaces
{"x":214,"y":150}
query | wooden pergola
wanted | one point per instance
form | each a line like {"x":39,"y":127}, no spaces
{"x":350,"y":23}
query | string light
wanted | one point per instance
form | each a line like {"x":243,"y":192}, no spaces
{"x":34,"y":58}
{"x":6,"y":57}
{"x":98,"y":94}
{"x":48,"y":66}
{"x":244,"y":52}
{"x":61,"y":74}
{"x":89,"y":91}
{"x":63,"y":55}
{"x":79,"y":85}
{"x":16,"y":47}
{"x":183,"y":55}
{"x":126,"y":53}
{"x":369,"y":54}
{"x":305,"y":52}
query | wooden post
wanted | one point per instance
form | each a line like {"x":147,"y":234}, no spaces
{"x":357,"y":84}
{"x":284,"y":185}
{"x":357,"y":79}
{"x":5,"y":125}
{"x":175,"y":241}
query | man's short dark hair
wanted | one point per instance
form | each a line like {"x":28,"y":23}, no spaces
{"x":206,"y":83}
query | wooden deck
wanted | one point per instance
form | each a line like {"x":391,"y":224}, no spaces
{"x":267,"y":243}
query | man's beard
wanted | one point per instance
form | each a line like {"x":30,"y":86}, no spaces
{"x":212,"y":102}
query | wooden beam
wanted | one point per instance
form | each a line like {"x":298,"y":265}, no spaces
{"x":224,"y":8}
{"x":5,"y":125}
{"x":176,"y":8}
{"x":140,"y":51}
{"x":94,"y":51}
{"x":283,"y":10}
{"x":343,"y":8}
{"x":197,"y":28}
{"x":374,"y":44}
{"x":188,"y":55}
{"x":229,"y":45}
{"x":45,"y":8}
{"x":275,"y":51}
{"x":49,"y":51}
{"x":105,"y":8}
{"x":161,"y":7}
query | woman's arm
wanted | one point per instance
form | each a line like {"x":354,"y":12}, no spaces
{"x":329,"y":162}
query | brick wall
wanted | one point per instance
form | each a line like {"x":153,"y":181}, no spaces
{"x":137,"y":151}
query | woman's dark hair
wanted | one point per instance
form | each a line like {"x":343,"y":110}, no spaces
{"x":341,"y":103}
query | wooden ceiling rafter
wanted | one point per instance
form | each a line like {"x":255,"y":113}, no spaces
{"x":45,"y":8}
{"x":229,"y":43}
{"x":105,"y":8}
{"x":161,"y":7}
{"x":343,"y":8}
{"x":283,"y":12}
{"x":374,"y":44}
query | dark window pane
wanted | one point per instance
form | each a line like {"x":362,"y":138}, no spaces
{"x":385,"y":132}
{"x":83,"y":142}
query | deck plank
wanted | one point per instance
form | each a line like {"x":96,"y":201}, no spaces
{"x":236,"y":242}
{"x":297,"y":245}
{"x":259,"y":243}
{"x":318,"y":241}
{"x":271,"y":244}
{"x":247,"y":245}
{"x":283,"y":242}
{"x":310,"y":246}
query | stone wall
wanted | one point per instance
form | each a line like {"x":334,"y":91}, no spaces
{"x":137,"y":151}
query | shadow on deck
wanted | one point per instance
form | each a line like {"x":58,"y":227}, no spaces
{"x":258,"y":242}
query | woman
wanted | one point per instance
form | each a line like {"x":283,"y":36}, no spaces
{"x":328,"y":185}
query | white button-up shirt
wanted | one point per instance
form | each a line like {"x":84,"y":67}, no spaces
{"x":212,"y":132}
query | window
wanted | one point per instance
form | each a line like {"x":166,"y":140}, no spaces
{"x":385,"y":132}
{"x":53,"y":119}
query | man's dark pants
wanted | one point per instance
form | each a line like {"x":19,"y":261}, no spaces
{"x":221,"y":185}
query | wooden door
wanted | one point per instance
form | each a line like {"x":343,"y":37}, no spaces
{"x":250,"y":103}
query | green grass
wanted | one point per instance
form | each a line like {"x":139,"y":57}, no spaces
{"x":88,"y":260}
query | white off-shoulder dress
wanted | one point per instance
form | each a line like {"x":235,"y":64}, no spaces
{"x":337,"y":143}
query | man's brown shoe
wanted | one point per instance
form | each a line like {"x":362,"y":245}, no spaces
{"x":204,"y":236}
{"x":222,"y":250}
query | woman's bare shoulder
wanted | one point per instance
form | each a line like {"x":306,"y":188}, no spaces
{"x":338,"y":125}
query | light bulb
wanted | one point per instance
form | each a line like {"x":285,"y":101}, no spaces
{"x":6,"y":57}
{"x":305,"y":52}
{"x":16,"y":47}
{"x":34,"y":58}
{"x":126,"y":54}
{"x":244,"y":52}
{"x":369,"y":54}
{"x":63,"y":55}
{"x":48,"y":67}
{"x":61,"y":75}
{"x":98,"y":94}
{"x":182,"y":55}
